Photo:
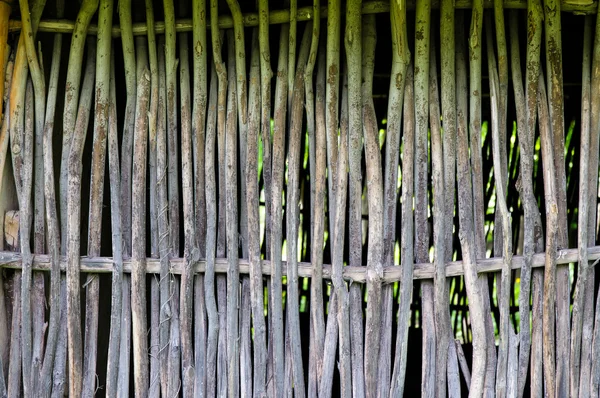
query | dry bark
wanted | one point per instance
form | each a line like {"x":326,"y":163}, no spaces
{"x":211,"y":236}
{"x":231,"y":216}
{"x":375,"y":255}
{"x":582,"y":214}
{"x":112,"y":370}
{"x":138,"y":225}
{"x":466,"y":204}
{"x":551,"y":241}
{"x":74,"y":224}
{"x":102,"y":94}
{"x":292,"y":201}
{"x":406,"y":237}
{"x":441,"y":301}
{"x":274,"y":208}
{"x":164,"y":243}
{"x":252,"y":203}
{"x":53,"y":237}
{"x":552,"y":15}
{"x":190,"y":251}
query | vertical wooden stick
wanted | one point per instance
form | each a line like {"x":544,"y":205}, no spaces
{"x":25,"y":217}
{"x":72,"y":93}
{"x":31,"y":328}
{"x":551,"y":240}
{"x":74,"y":225}
{"x":331,"y":113}
{"x":421,"y":222}
{"x":317,"y":317}
{"x":353,"y":45}
{"x":138,"y":224}
{"x":200,"y":94}
{"x":552,"y":12}
{"x":153,"y":201}
{"x":233,"y":358}
{"x":164,"y":243}
{"x":14,"y":362}
{"x":292,"y":200}
{"x":375,"y":256}
{"x":274,"y":243}
{"x":466,"y":218}
{"x":112,"y":370}
{"x":5,"y":8}
{"x":475,"y":62}
{"x":582,"y":214}
{"x":252,"y":203}
{"x":53,"y":231}
{"x":588,"y":322}
{"x":341,"y":290}
{"x":173,"y":170}
{"x":126,"y":177}
{"x":269,"y":154}
{"x":407,"y":232}
{"x":97,"y":192}
{"x":441,"y":302}
{"x":211,"y":228}
{"x":534,"y":32}
{"x":191,"y":253}
{"x":499,"y":177}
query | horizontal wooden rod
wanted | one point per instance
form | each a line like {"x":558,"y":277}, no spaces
{"x":283,"y":16}
{"x":355,"y":274}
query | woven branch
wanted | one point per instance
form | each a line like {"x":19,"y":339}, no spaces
{"x":391,"y":274}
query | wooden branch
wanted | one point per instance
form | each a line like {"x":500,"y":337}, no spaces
{"x":41,"y":262}
{"x":252,"y":203}
{"x":74,"y":171}
{"x":273,"y":215}
{"x":231,"y":216}
{"x":278,"y":17}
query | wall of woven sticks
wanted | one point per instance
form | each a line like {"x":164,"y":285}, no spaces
{"x":228,"y":198}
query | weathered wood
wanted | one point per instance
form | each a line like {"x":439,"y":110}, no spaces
{"x":74,"y":224}
{"x":25,"y":218}
{"x":292,"y":200}
{"x":53,"y":231}
{"x":316,"y":121}
{"x":375,"y":255}
{"x":331,"y":111}
{"x":211,"y":220}
{"x":353,"y":47}
{"x":552,"y":29}
{"x":582,"y":214}
{"x":126,"y":158}
{"x":406,"y":265}
{"x":164,"y":242}
{"x":466,"y":205}
{"x":112,"y":369}
{"x":155,"y":363}
{"x":102,"y":88}
{"x":422,"y":44}
{"x":231,"y":216}
{"x":190,"y":250}
{"x":252,"y":203}
{"x":274,"y":243}
{"x":400,"y":61}
{"x":498,"y":111}
{"x":200,"y":94}
{"x":138,"y":224}
{"x":13,"y":380}
{"x":588,"y":332}
{"x":549,"y":353}
{"x":440,"y":285}
{"x":72,"y":94}
{"x":351,"y":274}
